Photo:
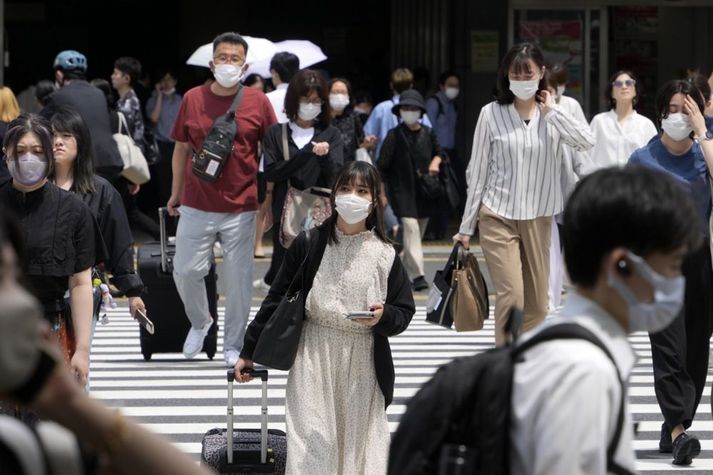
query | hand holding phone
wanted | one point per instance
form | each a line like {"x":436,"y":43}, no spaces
{"x":144,"y":321}
{"x":359,"y":314}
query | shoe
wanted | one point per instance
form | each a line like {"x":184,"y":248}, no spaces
{"x":665,"y":445}
{"x":419,"y":283}
{"x":194,"y":340}
{"x":231,"y":357}
{"x":685,"y":449}
{"x":260,"y":284}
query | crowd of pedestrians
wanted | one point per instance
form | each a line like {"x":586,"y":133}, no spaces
{"x":532,"y":190}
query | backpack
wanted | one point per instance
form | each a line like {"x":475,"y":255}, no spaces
{"x":467,"y":403}
{"x":208,"y":162}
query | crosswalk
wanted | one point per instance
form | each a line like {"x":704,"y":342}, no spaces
{"x":183,"y":399}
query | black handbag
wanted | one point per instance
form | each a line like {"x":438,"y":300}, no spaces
{"x":449,"y":182}
{"x":438,"y":304}
{"x":277,"y":344}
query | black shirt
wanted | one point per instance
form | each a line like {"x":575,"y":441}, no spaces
{"x":61,"y":238}
{"x":352,"y":133}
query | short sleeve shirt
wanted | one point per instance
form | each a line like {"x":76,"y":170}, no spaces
{"x":236,"y":190}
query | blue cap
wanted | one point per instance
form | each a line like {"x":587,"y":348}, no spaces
{"x":70,"y":59}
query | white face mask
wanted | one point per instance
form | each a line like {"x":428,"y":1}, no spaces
{"x":352,"y":208}
{"x":668,"y":297}
{"x":338,"y":102}
{"x":28,"y":169}
{"x":451,"y":92}
{"x":560,"y":90}
{"x":410,"y":117}
{"x":677,"y":126}
{"x":228,"y":75}
{"x":309,"y":111}
{"x":524,"y":90}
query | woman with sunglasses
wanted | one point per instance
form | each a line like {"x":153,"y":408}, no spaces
{"x":620,"y":131}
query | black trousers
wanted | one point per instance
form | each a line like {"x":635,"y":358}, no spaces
{"x":278,"y":254}
{"x":680,"y":352}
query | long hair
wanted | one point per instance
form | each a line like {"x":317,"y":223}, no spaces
{"x":9,"y":108}
{"x":22,"y":126}
{"x":68,"y":120}
{"x":518,"y":59}
{"x":344,"y":81}
{"x":670,"y":89}
{"x":367,"y":175}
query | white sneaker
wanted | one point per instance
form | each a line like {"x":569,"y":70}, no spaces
{"x":194,"y":340}
{"x":231,"y":357}
{"x":260,"y":284}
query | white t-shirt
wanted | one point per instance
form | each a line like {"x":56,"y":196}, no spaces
{"x":300,"y":136}
{"x":277,"y":99}
{"x":615,"y":141}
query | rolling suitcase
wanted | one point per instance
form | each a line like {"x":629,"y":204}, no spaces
{"x":253,"y":450}
{"x":163,"y":304}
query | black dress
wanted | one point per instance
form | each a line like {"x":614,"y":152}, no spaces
{"x":352,"y":133}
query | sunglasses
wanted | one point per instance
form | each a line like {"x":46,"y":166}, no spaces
{"x":627,"y":83}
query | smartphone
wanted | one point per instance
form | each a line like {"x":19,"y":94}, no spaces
{"x":144,"y":321}
{"x":355,"y":315}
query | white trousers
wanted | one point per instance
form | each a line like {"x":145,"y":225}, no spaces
{"x":412,"y":255}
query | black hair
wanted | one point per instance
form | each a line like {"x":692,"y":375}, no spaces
{"x":230,"y":37}
{"x":69,"y":74}
{"x":68,"y":120}
{"x":43,"y":89}
{"x":251,"y":79}
{"x":346,"y":82}
{"x":163,"y":72}
{"x":609,"y":92}
{"x":550,"y":80}
{"x":23,"y":125}
{"x":445,"y":75}
{"x":363,"y":96}
{"x":367,"y":174}
{"x":285,"y":65}
{"x":670,"y":89}
{"x":301,"y":85}
{"x":104,"y":86}
{"x":559,"y":73}
{"x":518,"y":59}
{"x":129,"y":66}
{"x":642,"y":210}
{"x":701,"y":83}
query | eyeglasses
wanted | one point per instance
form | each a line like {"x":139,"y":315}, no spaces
{"x":225,"y":59}
{"x":627,"y":83}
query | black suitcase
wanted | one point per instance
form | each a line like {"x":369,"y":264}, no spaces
{"x":163,"y":304}
{"x":253,"y":450}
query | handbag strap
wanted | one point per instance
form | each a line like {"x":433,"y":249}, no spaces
{"x":236,"y":103}
{"x":301,"y":271}
{"x":122,"y":121}
{"x":285,"y":145}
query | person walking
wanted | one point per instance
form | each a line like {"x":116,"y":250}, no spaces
{"x":283,"y":67}
{"x":621,"y":130}
{"x":680,"y":351}
{"x":223,"y":210}
{"x":410,"y":154}
{"x":314,"y":151}
{"x":125,"y":74}
{"x":514,"y":184}
{"x":344,"y":118}
{"x":342,"y":379}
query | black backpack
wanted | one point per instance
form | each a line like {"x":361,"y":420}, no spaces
{"x":208,"y":162}
{"x":466,"y":406}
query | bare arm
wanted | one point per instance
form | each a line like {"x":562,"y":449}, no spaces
{"x":81,"y":301}
{"x":181,"y":154}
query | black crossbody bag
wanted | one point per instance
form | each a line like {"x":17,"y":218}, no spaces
{"x":208,"y":162}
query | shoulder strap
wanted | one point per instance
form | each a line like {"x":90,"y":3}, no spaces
{"x":285,"y":145}
{"x":571,"y":331}
{"x":122,"y":122}
{"x":301,"y":271}
{"x":236,"y":103}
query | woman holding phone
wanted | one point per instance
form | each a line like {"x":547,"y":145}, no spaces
{"x":343,"y":376}
{"x":514,"y":183}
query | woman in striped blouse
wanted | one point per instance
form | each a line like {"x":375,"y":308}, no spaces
{"x":514,"y":184}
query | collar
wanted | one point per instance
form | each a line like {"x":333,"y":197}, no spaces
{"x":281,"y":86}
{"x":589,"y":314}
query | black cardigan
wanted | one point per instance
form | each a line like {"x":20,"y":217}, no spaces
{"x":398,"y":308}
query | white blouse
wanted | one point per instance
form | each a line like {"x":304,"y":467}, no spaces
{"x":615,"y":141}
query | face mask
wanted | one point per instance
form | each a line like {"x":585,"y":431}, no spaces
{"x":352,"y":208}
{"x":451,"y":92}
{"x":668,"y":298}
{"x":309,"y":111}
{"x":524,"y":90}
{"x":28,"y":169}
{"x":410,"y":117}
{"x":228,"y":75}
{"x":676,"y":126}
{"x":560,"y":90}
{"x":338,"y":102}
{"x":169,"y":91}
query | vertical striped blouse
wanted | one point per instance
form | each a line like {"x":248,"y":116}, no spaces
{"x":515,"y":167}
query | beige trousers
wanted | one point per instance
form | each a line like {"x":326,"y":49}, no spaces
{"x":412,"y":255}
{"x":517,"y":253}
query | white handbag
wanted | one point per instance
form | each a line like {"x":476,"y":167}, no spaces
{"x":136,"y":168}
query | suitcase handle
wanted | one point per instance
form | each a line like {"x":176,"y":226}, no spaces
{"x":262,"y":374}
{"x":162,"y":212}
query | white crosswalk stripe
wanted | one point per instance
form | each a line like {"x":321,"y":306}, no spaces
{"x":183,"y":399}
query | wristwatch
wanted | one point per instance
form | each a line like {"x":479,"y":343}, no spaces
{"x":707,"y":136}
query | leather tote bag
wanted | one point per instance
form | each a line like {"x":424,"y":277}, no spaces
{"x":470,"y":304}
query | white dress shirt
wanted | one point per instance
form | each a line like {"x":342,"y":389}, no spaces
{"x":515,"y":168}
{"x":575,"y":164}
{"x":615,"y":141}
{"x":277,"y":99}
{"x":566,"y":396}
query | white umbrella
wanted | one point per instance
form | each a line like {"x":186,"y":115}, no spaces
{"x":308,"y":53}
{"x":258,"y":49}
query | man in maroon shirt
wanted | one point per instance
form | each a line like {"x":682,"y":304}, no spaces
{"x":223,"y":210}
